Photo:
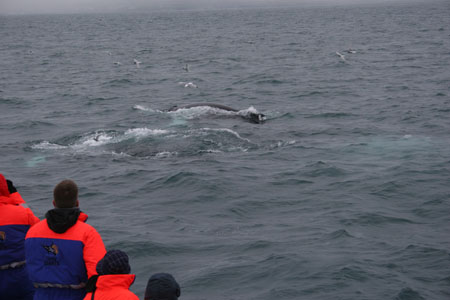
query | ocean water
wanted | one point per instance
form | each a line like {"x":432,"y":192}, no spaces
{"x":343,"y":193}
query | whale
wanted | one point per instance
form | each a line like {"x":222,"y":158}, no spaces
{"x":252,"y":117}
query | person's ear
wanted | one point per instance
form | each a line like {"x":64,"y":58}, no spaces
{"x":77,"y":204}
{"x":54,"y":203}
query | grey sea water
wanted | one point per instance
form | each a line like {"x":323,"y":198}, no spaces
{"x":343,"y":193}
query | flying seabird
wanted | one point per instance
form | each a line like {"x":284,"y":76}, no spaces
{"x":341,"y":56}
{"x":188,"y":84}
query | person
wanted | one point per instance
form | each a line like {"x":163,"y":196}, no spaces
{"x":15,"y":221}
{"x":162,"y":286}
{"x":62,"y":251}
{"x":113,"y":280}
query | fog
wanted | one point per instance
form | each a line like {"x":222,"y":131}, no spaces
{"x":107,"y":6}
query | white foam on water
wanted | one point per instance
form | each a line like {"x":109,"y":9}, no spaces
{"x":144,"y":132}
{"x":91,"y":141}
{"x":119,"y":154}
{"x":144,"y":108}
{"x":210,"y":151}
{"x":94,"y":140}
{"x":238,"y":149}
{"x":165,"y":154}
{"x":94,"y":143}
{"x":245,"y":112}
{"x":45,"y":145}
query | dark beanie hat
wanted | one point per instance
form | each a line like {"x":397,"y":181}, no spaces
{"x":162,"y":286}
{"x":114,"y":262}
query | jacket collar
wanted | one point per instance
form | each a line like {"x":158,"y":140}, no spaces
{"x":107,"y":282}
{"x":60,"y":220}
{"x":5,"y":196}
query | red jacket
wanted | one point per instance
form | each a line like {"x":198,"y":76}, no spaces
{"x":68,"y":258}
{"x":114,"y":287}
{"x":15,"y":220}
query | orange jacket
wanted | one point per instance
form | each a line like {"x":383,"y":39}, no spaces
{"x":15,"y":220}
{"x":66,"y":259}
{"x":113,"y":287}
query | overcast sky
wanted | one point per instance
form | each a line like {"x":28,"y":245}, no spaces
{"x":78,"y":6}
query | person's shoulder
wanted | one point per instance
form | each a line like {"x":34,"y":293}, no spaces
{"x":128,"y":295}
{"x":123,"y":294}
{"x":81,"y":225}
{"x":88,"y":229}
{"x":13,"y":207}
{"x":16,"y":215}
{"x":40,"y":226}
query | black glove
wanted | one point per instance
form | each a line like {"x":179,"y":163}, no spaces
{"x":11,"y":187}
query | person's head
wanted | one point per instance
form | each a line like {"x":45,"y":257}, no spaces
{"x":162,"y":286}
{"x":114,"y":262}
{"x":65,"y":194}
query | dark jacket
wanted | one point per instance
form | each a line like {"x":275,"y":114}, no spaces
{"x":62,"y":252}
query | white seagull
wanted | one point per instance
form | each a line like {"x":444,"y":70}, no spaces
{"x":341,"y":56}
{"x":137,"y":63}
{"x":188,"y":84}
